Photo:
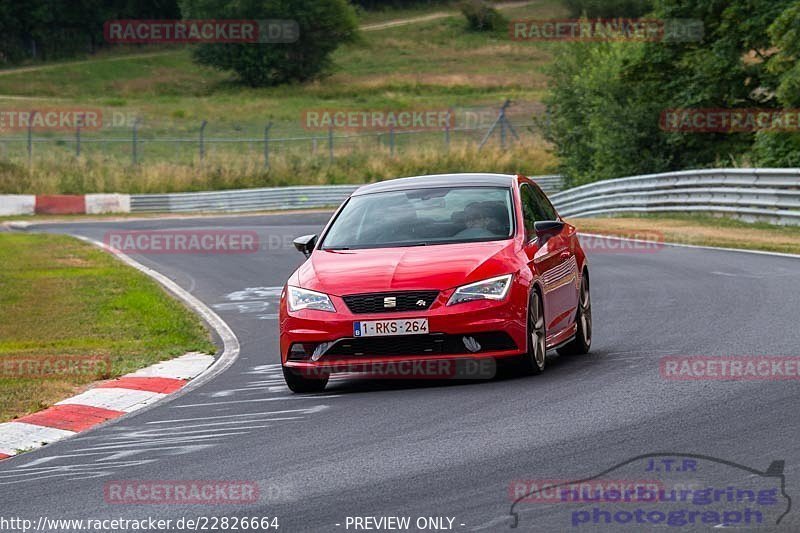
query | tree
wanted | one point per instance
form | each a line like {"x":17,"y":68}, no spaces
{"x":323,"y":26}
{"x":607,"y":98}
{"x":482,"y":17}
{"x":43,"y":30}
{"x":782,"y":149}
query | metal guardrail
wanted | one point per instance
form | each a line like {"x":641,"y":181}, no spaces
{"x":769,"y":195}
{"x":549,"y":184}
{"x":266,"y":199}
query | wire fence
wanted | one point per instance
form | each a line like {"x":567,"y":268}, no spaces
{"x":177,"y":142}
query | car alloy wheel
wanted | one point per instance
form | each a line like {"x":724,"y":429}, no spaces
{"x":537,"y":343}
{"x":583,"y":336}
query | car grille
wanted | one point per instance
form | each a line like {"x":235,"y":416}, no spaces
{"x":404,"y":301}
{"x":434,"y":343}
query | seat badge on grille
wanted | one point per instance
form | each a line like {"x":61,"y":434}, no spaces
{"x":421,"y":303}
{"x":389,"y":302}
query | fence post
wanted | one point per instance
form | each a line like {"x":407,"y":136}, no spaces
{"x":202,"y":137}
{"x":135,"y":145}
{"x":330,"y":142}
{"x":30,"y":137}
{"x":391,"y":141}
{"x":502,"y":121}
{"x":447,"y":137}
{"x":266,"y":145}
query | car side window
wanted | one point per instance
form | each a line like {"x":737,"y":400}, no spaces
{"x":545,"y":207}
{"x":530,"y":210}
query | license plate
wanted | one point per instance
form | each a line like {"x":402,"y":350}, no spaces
{"x":383,"y":328}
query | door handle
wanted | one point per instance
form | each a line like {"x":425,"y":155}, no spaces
{"x":565,"y":255}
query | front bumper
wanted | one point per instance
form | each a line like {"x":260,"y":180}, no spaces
{"x":499,"y":328}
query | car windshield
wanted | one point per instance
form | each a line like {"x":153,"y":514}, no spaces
{"x":425,"y":216}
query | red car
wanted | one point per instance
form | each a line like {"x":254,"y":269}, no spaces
{"x":432,"y":268}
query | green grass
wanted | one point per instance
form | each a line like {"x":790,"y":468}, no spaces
{"x":429,"y":65}
{"x":60,"y":298}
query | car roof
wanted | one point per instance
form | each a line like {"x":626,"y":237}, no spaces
{"x":438,"y":180}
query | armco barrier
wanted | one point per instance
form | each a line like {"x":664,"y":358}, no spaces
{"x":243,"y":200}
{"x":266,"y":199}
{"x":549,"y":184}
{"x":769,"y":195}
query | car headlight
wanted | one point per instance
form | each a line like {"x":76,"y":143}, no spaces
{"x":306,"y":299}
{"x":488,"y":289}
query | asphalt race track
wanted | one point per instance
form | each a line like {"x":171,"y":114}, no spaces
{"x":377,"y":448}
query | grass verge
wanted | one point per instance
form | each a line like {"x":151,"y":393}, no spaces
{"x":227,"y":171}
{"x":61,"y":300}
{"x":701,"y":230}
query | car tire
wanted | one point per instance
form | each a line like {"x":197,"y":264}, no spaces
{"x":297,"y":383}
{"x":582,"y":342}
{"x":535,"y":360}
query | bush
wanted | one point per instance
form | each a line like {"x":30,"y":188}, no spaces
{"x":482,"y":17}
{"x":323,"y":26}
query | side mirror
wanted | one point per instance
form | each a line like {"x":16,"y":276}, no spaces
{"x":305,"y":244}
{"x":548,"y":228}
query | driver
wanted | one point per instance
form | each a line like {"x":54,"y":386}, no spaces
{"x":477,"y":219}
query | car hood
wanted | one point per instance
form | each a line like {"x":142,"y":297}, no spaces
{"x":436,"y":267}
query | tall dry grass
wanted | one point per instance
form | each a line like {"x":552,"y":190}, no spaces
{"x":65,"y":174}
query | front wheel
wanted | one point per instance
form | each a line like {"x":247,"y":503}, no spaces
{"x":583,"y":336}
{"x":297,"y":383}
{"x":534,"y":361}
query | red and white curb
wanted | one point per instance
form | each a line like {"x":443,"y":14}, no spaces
{"x":106,"y":401}
{"x":64,"y":204}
